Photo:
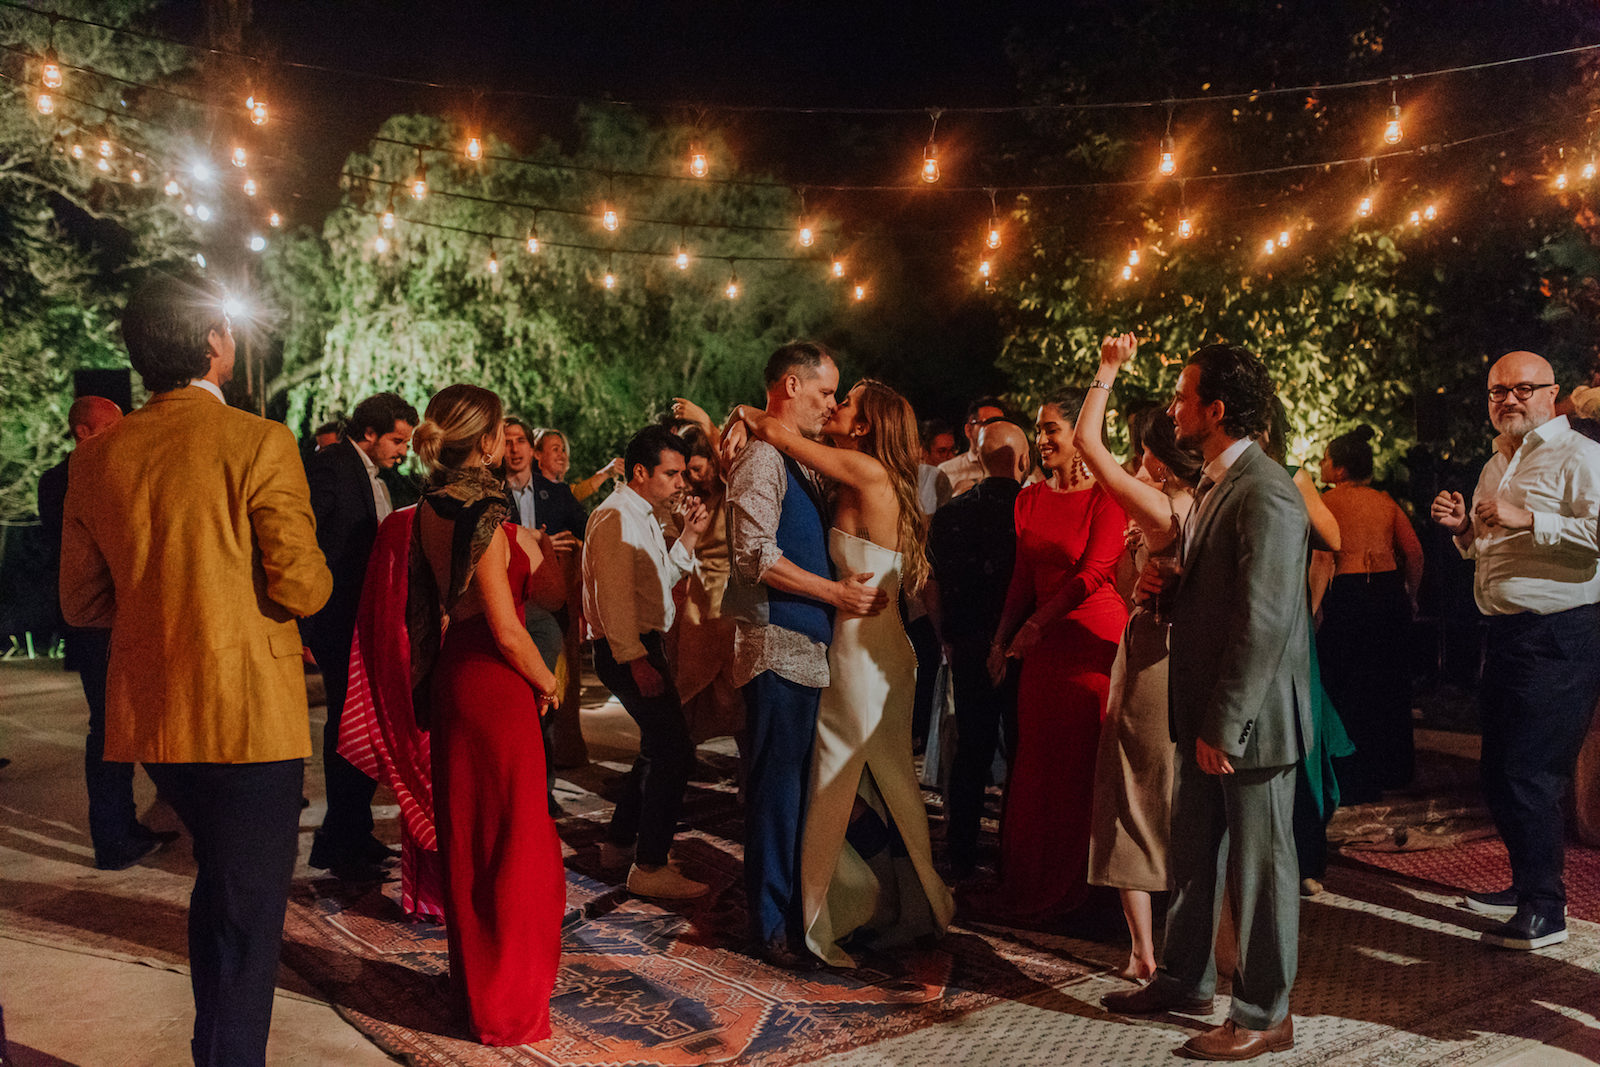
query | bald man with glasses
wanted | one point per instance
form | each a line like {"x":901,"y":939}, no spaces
{"x":1533,"y":532}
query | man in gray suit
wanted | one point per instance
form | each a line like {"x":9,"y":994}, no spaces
{"x":1239,"y":711}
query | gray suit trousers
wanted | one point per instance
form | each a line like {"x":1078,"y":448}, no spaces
{"x":1237,"y":827}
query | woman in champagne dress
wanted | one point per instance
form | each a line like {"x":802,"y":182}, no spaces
{"x":866,"y":865}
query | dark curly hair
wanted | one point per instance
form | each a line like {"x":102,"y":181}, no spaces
{"x":1234,"y":376}
{"x":1158,"y":436}
{"x":1353,"y":452}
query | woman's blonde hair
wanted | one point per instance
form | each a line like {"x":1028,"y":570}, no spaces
{"x":458,"y":418}
{"x":893,"y":439}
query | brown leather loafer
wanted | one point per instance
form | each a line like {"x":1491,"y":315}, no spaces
{"x":1230,"y":1041}
{"x":1150,"y":1000}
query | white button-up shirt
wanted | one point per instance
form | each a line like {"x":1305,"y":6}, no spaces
{"x":380,"y":492}
{"x":1555,"y":474}
{"x":1212,"y":472}
{"x":628,"y":573}
{"x":523,"y":498}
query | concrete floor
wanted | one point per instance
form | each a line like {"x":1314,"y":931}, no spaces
{"x":92,"y":966}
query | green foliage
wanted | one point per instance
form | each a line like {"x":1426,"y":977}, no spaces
{"x":72,"y":239}
{"x":543,"y":332}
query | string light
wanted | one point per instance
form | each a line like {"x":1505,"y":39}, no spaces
{"x":239,"y":156}
{"x":1133,"y":255}
{"x":494,"y":262}
{"x":1169,"y":157}
{"x":172,"y":188}
{"x":861,"y":292}
{"x":419,"y":180}
{"x":258,"y":243}
{"x":50,"y":72}
{"x":1429,"y":213}
{"x":202,"y":171}
{"x":103,"y":165}
{"x":381,"y":245}
{"x":202,"y":212}
{"x":1392,"y":131}
{"x":681,"y":260}
{"x":136,"y":176}
{"x":732,"y":288}
{"x":1561,"y":181}
{"x":250,"y":187}
{"x":1270,"y":247}
{"x":45,"y":103}
{"x":1127,"y":272}
{"x":993,"y":238}
{"x":1283,"y":238}
{"x":257,"y":108}
{"x":930,"y":152}
{"x":106,"y":149}
{"x":533,"y":240}
{"x":608,"y":218}
{"x":77,"y":151}
{"x":698,"y":165}
{"x":1364,"y":209}
{"x":387,"y":220}
{"x":275,"y":220}
{"x":983,"y":269}
{"x":609,"y":279}
{"x":1185,"y":225}
{"x":1185,"y":228}
{"x":1588,"y":172}
{"x":838,"y":267}
{"x":807,"y":238}
{"x":1416,"y":218}
{"x":474,"y":149}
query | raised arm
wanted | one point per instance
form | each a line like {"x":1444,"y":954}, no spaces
{"x":855,"y":469}
{"x":1145,"y":504}
{"x":585,"y":489}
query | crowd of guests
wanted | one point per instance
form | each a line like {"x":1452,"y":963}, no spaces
{"x":1174,"y":665}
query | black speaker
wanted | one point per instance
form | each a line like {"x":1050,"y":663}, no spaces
{"x":113,"y":383}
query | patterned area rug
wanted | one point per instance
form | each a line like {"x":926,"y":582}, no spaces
{"x":1481,"y":865}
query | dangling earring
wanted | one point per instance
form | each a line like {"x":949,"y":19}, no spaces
{"x":1079,"y":472}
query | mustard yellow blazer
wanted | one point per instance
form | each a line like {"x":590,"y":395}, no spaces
{"x":189,"y":533}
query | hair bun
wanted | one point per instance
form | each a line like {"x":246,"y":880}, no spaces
{"x":1363,"y":433}
{"x":426,"y":440}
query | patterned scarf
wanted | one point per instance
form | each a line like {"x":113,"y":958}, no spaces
{"x":475,"y":502}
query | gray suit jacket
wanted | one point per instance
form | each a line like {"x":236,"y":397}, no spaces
{"x":1240,"y":662}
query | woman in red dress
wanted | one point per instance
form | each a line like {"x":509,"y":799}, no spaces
{"x":481,"y":690}
{"x":1063,"y":619}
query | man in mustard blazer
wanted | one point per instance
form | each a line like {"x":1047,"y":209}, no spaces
{"x":189,"y":533}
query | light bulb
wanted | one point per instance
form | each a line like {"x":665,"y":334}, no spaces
{"x":1133,"y":256}
{"x":50,"y":74}
{"x":930,"y":164}
{"x":1185,"y":228}
{"x":258,"y":111}
{"x":608,"y":218}
{"x":533,"y":243}
{"x":1587,"y":172}
{"x":1270,"y":247}
{"x":1428,"y":213}
{"x":239,"y":156}
{"x":1283,"y":238}
{"x":983,"y":268}
{"x":698,"y":165}
{"x":1127,"y":273}
{"x":45,"y":103}
{"x":257,"y":242}
{"x":681,"y":260}
{"x":200,"y":260}
{"x":202,"y":212}
{"x":105,"y":148}
{"x":275,"y":220}
{"x":381,"y":245}
{"x":202,"y":171}
{"x":494,"y":263}
{"x":861,"y":292}
{"x":609,"y":279}
{"x":1561,"y":180}
{"x":1392,"y":133}
{"x":474,"y":149}
{"x":1416,"y":218}
{"x":172,"y":188}
{"x":994,"y":238}
{"x":136,"y":176}
{"x":807,"y":238}
{"x":838,"y":268}
{"x":103,"y":165}
{"x":77,"y":151}
{"x":419,"y":185}
{"x":1169,"y":157}
{"x":250,"y":187}
{"x":733,"y":287}
{"x":387,"y":221}
{"x":1364,"y":209}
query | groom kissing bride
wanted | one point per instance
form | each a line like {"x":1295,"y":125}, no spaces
{"x":833,"y":808}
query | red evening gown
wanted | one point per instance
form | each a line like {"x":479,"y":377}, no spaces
{"x":505,"y":888}
{"x":1068,"y":544}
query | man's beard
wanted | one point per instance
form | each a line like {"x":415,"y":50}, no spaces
{"x":1519,"y":424}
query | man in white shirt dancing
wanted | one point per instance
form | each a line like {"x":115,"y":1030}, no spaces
{"x":1532,"y":532}
{"x":628,"y":575}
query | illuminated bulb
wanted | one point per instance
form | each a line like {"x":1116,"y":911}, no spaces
{"x":1133,"y":257}
{"x":1392,"y":133}
{"x":202,"y":212}
{"x":200,"y":260}
{"x":983,"y":269}
{"x":1428,"y":213}
{"x":45,"y":103}
{"x":172,"y":188}
{"x":275,"y":220}
{"x":994,"y":238}
{"x":474,"y":149}
{"x":1283,"y":238}
{"x":698,"y":166}
{"x":1587,"y":172}
{"x":682,"y":258}
{"x":1364,"y":209}
{"x":238,"y":156}
{"x":733,"y":287}
{"x":77,"y":151}
{"x":202,"y":171}
{"x":381,"y":245}
{"x":807,"y":238}
{"x":494,"y":263}
{"x":533,"y":243}
{"x":1561,"y":180}
{"x":1127,"y":273}
{"x":608,"y":218}
{"x":188,"y":209}
{"x":136,"y":176}
{"x":1169,"y":157}
{"x":103,"y":165}
{"x":930,"y":164}
{"x":419,"y":185}
{"x":50,"y":75}
{"x":1416,"y":218}
{"x":1270,"y":247}
{"x":258,"y":111}
{"x":387,"y":221}
{"x":250,"y":187}
{"x":106,"y":149}
{"x":609,"y":279}
{"x":1185,"y":228}
{"x":838,"y":268}
{"x":861,"y":292}
{"x":257,"y":242}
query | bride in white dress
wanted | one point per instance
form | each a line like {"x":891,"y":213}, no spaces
{"x":866,"y":866}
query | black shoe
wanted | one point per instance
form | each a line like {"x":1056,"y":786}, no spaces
{"x":305,"y":802}
{"x":125,"y":856}
{"x":1527,"y":930}
{"x":141,"y":832}
{"x":556,"y":810}
{"x":358,"y":871}
{"x":1151,"y":999}
{"x":375,"y":851}
{"x":777,"y":953}
{"x":1501,"y":904}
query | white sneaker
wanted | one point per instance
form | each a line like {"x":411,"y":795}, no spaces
{"x":614,"y":855}
{"x":667,"y":883}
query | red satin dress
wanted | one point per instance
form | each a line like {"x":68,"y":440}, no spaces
{"x":1068,"y":545}
{"x":505,"y":888}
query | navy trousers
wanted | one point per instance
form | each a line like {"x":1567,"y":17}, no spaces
{"x":781,"y":720}
{"x":245,"y":821}
{"x":1540,"y":682}
{"x":113,"y":819}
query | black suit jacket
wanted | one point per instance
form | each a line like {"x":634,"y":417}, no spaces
{"x":347,"y":524}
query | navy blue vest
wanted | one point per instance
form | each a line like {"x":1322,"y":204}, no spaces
{"x":803,"y":539}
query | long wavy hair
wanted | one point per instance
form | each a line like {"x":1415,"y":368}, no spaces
{"x":892,"y":438}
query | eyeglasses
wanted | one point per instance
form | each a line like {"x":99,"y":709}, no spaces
{"x":1523,"y":390}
